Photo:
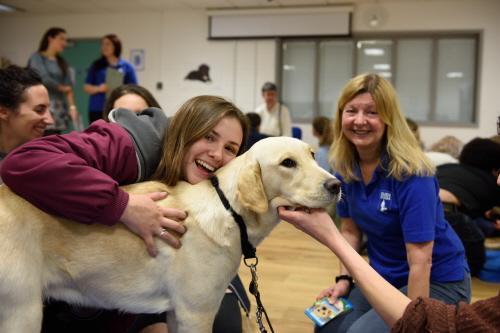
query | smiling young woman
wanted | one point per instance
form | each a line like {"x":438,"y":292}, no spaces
{"x":24,"y":108}
{"x":205,"y":134}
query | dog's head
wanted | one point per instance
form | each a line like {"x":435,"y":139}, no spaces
{"x":281,"y":171}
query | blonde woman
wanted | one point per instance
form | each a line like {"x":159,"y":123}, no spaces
{"x":391,"y":195}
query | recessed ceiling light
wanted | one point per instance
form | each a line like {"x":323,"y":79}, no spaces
{"x":382,"y":67}
{"x":454,"y":75}
{"x":374,"y":51}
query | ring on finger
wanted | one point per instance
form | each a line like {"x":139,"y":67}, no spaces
{"x":163,"y":231}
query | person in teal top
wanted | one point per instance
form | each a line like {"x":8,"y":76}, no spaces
{"x":390,"y":194}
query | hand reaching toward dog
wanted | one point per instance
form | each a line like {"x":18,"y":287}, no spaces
{"x":147,"y":219}
{"x":314,"y":222}
{"x":319,"y":225}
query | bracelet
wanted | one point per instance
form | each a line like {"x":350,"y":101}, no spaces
{"x":345,"y":277}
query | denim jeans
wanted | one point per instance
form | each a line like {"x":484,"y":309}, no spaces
{"x":364,"y":319}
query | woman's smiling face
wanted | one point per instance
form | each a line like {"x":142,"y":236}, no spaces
{"x":30,"y":119}
{"x":213,"y":151}
{"x":361,"y":123}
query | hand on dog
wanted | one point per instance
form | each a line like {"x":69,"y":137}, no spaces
{"x":147,"y":219}
{"x":314,"y":222}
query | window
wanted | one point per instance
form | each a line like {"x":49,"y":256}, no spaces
{"x":435,"y":76}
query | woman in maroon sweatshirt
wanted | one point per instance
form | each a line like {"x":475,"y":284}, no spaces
{"x":78,"y":175}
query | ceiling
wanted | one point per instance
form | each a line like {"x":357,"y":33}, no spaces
{"x":113,"y":6}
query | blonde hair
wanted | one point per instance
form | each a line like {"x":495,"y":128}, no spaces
{"x":195,"y":119}
{"x":449,"y":145}
{"x":405,"y":156}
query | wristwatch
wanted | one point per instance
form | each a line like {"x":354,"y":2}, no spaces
{"x":345,"y":277}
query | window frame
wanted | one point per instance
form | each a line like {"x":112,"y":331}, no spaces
{"x":394,"y":38}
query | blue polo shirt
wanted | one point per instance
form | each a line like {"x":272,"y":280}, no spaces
{"x":98,"y":76}
{"x":392,"y":213}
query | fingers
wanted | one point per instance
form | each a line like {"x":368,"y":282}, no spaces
{"x":170,"y":238}
{"x":325,"y":293}
{"x":174,"y":214}
{"x":173,"y":226}
{"x":288,"y":215}
{"x":150,"y":245}
{"x":332,"y":299}
{"x":155,"y":196}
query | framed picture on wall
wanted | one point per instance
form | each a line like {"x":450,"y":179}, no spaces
{"x":137,"y":58}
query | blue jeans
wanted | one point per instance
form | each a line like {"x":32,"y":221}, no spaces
{"x":364,"y":319}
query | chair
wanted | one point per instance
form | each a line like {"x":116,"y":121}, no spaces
{"x":297,"y":132}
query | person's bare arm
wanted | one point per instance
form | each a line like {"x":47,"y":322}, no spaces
{"x":353,"y":235}
{"x":419,"y":256}
{"x":95,"y":89}
{"x":389,"y":302}
{"x":73,"y":112}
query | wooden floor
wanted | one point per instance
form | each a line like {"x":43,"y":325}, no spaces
{"x":293,"y":268}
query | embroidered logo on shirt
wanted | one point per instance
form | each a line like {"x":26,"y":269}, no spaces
{"x":385,"y":198}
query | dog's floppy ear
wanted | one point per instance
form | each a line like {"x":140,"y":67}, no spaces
{"x":251,"y":192}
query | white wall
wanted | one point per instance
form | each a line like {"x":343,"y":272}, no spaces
{"x":175,"y":42}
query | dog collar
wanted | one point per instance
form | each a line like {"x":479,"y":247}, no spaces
{"x":247,"y":248}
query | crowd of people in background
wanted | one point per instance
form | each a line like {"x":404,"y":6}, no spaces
{"x":423,"y":214}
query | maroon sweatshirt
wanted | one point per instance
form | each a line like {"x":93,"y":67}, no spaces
{"x":75,"y":175}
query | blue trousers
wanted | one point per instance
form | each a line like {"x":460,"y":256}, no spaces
{"x":364,"y":319}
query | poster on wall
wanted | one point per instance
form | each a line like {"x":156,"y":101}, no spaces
{"x":137,"y":58}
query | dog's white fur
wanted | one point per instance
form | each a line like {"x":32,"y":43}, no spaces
{"x":108,"y":267}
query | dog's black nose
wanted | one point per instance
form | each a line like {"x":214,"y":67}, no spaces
{"x":332,"y":185}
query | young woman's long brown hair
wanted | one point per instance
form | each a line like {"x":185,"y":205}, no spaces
{"x":195,"y":119}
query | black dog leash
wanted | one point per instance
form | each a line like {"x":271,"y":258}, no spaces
{"x":249,"y":253}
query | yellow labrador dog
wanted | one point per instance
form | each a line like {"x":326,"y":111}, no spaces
{"x":108,"y":267}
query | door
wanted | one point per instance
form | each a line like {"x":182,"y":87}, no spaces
{"x":80,"y":54}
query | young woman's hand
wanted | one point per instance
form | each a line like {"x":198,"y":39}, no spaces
{"x":314,"y":222}
{"x":148,"y":219}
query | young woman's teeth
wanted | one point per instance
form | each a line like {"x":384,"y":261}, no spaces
{"x":205,"y":166}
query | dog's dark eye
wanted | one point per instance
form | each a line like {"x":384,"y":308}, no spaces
{"x":312,"y":153}
{"x":288,"y":163}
